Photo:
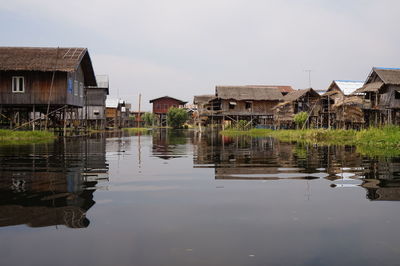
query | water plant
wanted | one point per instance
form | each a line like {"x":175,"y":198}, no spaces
{"x":16,"y":137}
{"x":385,"y":138}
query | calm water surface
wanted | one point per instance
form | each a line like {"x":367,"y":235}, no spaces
{"x":184,"y":198}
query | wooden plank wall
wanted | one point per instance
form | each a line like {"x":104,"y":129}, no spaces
{"x":37,"y":88}
{"x":258,"y":107}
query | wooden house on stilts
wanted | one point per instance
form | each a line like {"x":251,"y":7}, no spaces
{"x":204,"y":108}
{"x":307,"y":100}
{"x":337,"y":95}
{"x":252,"y":103}
{"x":43,"y":84}
{"x":348,"y":113}
{"x":161,"y":106}
{"x":95,"y":104}
{"x":381,"y":97}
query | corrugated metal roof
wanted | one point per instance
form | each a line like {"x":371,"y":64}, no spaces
{"x":112,"y":103}
{"x":348,"y":86}
{"x":102,"y":81}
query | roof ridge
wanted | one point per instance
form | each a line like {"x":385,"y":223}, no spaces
{"x":346,"y":80}
{"x":387,"y":68}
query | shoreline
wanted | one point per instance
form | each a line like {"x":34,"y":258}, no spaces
{"x":373,"y":141}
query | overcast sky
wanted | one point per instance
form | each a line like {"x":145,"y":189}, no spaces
{"x":182,"y":48}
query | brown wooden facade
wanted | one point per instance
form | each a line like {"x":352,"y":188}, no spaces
{"x":38,"y":81}
{"x":162,"y":105}
{"x":381,"y":97}
{"x":307,"y":100}
{"x":230,"y":104}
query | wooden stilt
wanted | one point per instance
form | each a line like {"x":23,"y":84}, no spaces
{"x":33,"y":118}
{"x":65,"y":122}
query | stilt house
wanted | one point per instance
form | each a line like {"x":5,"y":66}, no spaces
{"x":335,"y":96}
{"x":252,"y":103}
{"x":348,"y":113}
{"x":203,"y":108}
{"x":117,"y":113}
{"x":95,"y":109}
{"x":381,"y":96}
{"x":162,"y":105}
{"x":49,"y":81}
{"x":307,"y":100}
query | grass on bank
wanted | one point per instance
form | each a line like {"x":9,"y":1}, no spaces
{"x":386,"y":137}
{"x":24,"y":137}
{"x":136,"y":129}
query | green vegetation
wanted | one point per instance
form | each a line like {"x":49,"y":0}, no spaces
{"x":372,"y":141}
{"x":240,"y":125}
{"x":149,"y":119}
{"x":300,"y":119}
{"x":136,"y":129}
{"x":24,"y":137}
{"x":176,"y":117}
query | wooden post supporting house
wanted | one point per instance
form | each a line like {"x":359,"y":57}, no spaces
{"x":161,"y":106}
{"x":42,"y":80}
{"x":336,"y":92}
{"x":381,"y":96}
{"x":307,"y":100}
{"x":95,"y":107}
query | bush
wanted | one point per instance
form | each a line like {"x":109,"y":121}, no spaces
{"x":148,"y":118}
{"x":242,"y":125}
{"x":300,"y":119}
{"x":176,"y":117}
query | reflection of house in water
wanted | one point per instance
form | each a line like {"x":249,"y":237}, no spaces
{"x":169,"y":144}
{"x":249,"y":158}
{"x":382,"y":179}
{"x":50,"y":184}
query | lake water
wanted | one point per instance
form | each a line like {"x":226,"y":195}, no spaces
{"x":184,"y":198}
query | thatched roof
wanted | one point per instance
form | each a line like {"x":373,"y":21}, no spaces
{"x":284,"y":89}
{"x":249,"y":92}
{"x":199,"y":99}
{"x":295,"y":95}
{"x":47,"y":59}
{"x":388,"y":75}
{"x":167,"y":97}
{"x":279,"y":105}
{"x":369,"y":87}
{"x":331,"y":93}
{"x":349,"y":100}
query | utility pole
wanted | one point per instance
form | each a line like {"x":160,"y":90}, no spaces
{"x":309,"y":76}
{"x":138,"y":118}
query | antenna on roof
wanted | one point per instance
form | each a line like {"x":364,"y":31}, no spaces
{"x":309,"y":76}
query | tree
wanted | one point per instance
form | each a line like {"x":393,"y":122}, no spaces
{"x":148,"y":118}
{"x":300,"y":119}
{"x":176,"y":117}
